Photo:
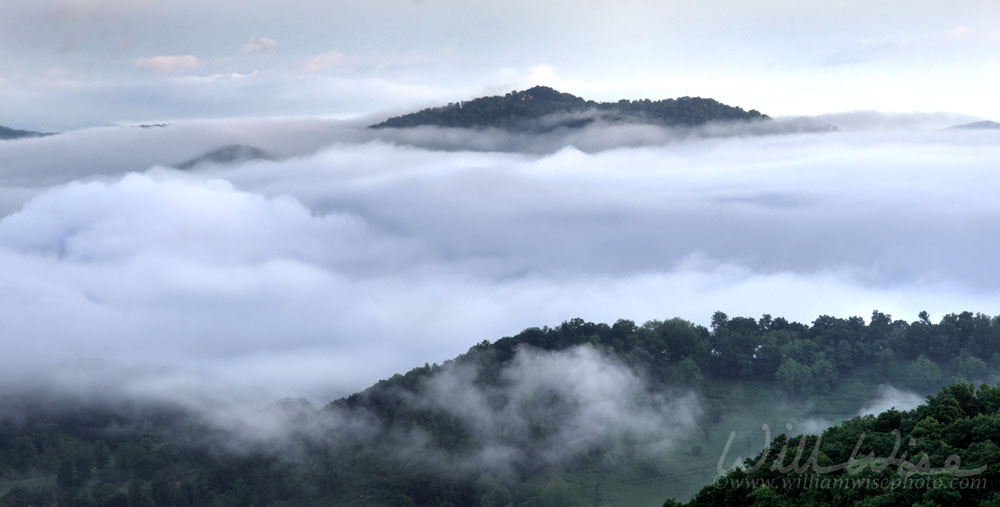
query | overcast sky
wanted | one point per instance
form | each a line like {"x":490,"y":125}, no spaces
{"x":72,"y":63}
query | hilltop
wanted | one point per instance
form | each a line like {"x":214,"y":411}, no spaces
{"x":979,"y":125}
{"x":9,"y":133}
{"x":226,"y":155}
{"x":542,"y":108}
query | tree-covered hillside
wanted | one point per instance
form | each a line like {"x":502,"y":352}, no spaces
{"x":943,"y":452}
{"x":550,"y":416}
{"x":542,"y":108}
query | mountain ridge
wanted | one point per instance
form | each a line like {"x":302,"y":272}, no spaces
{"x":7,"y":133}
{"x":977,"y":125}
{"x":228,"y":154}
{"x":539,"y":109}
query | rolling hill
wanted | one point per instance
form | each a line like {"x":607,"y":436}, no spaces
{"x":542,"y":109}
{"x":9,"y":133}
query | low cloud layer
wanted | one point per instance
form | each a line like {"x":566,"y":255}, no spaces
{"x":557,"y":404}
{"x":167,"y":64}
{"x":357,"y":254}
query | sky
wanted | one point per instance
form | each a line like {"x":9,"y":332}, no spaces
{"x":351,"y":254}
{"x":67,"y":64}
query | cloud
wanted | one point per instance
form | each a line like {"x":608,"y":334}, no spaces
{"x":168,"y":64}
{"x":889,"y":397}
{"x":215,"y":78}
{"x":532,"y":76}
{"x":880,"y":121}
{"x":56,"y":73}
{"x":959,"y":32}
{"x":259,"y":45}
{"x":549,"y":406}
{"x":360,"y":253}
{"x":862,"y":51}
{"x":324,"y":61}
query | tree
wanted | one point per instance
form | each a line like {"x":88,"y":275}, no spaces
{"x":795,"y":377}
{"x":67,"y":478}
{"x":491,"y":493}
{"x":768,"y":356}
{"x":765,"y":496}
{"x":102,"y":455}
{"x":823,"y":374}
{"x":925,"y":372}
{"x":23,"y":453}
{"x":972,"y":368}
{"x":689,"y":372}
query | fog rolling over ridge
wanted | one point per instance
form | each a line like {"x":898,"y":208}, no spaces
{"x":356,"y":254}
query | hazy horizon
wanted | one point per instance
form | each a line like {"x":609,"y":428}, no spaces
{"x":73,"y":63}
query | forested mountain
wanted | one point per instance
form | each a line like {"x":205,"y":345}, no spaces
{"x":579,"y":413}
{"x":979,"y":125}
{"x":943,"y":452}
{"x":228,"y":154}
{"x":9,"y":133}
{"x":542,"y":108}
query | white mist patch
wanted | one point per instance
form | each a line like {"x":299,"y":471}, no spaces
{"x":578,"y":397}
{"x":547,"y":406}
{"x":889,"y":397}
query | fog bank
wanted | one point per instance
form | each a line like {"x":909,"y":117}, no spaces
{"x":352,"y":257}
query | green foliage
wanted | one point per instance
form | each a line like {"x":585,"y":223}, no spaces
{"x":954,"y":430}
{"x":542,"y":108}
{"x":163,"y":461}
{"x":688,"y":372}
{"x":926,"y":373}
{"x":972,"y":368}
{"x":23,"y":454}
{"x":102,"y":454}
{"x":558,"y":495}
{"x":491,"y":493}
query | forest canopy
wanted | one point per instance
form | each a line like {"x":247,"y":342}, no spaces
{"x":543,"y":108}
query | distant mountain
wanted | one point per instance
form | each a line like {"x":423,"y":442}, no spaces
{"x":979,"y":125}
{"x":542,"y":108}
{"x":9,"y":133}
{"x":227,"y":155}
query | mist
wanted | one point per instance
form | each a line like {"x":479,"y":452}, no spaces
{"x":357,"y":254}
{"x":889,"y":397}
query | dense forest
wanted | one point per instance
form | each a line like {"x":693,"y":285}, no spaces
{"x":542,"y":108}
{"x":414,"y":440}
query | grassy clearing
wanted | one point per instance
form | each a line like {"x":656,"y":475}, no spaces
{"x":745,"y":406}
{"x":36,"y":482}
